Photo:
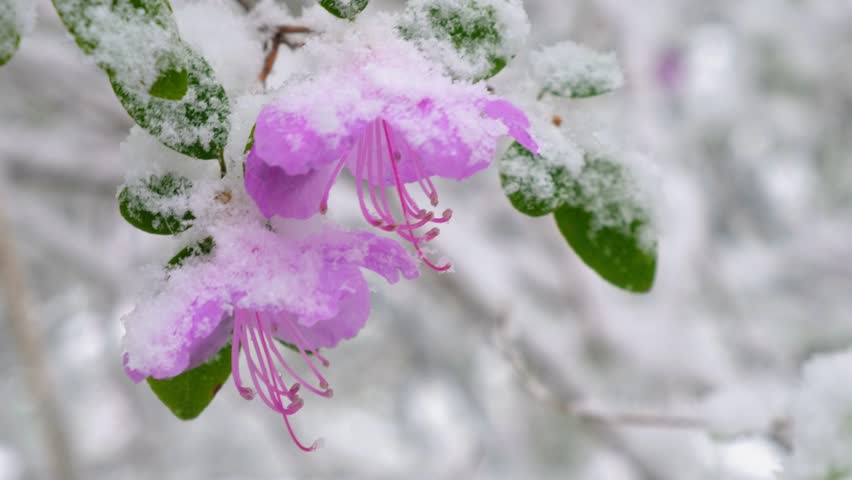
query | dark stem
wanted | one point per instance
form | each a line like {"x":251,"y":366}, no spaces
{"x":280,"y":35}
{"x":223,"y":168}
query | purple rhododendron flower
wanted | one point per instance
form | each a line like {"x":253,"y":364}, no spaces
{"x":258,"y":287}
{"x":395,"y":121}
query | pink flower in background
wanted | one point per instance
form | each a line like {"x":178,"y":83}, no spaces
{"x":395,"y":123}
{"x":257,"y":288}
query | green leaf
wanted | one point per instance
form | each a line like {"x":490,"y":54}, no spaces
{"x":250,"y":142}
{"x":166,"y":87}
{"x":197,"y":125}
{"x":609,"y":232}
{"x":534,"y":184}
{"x":86,"y":19}
{"x":171,"y":85}
{"x":134,"y":203}
{"x":189,"y":393}
{"x":10,"y":35}
{"x":475,"y":30}
{"x":200,"y":249}
{"x":346,"y":9}
{"x":570,"y":70}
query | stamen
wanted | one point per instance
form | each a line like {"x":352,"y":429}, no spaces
{"x":399,"y":187}
{"x":328,"y":185}
{"x":359,"y":167}
{"x":299,"y":444}
{"x":302,"y":341}
{"x":292,"y":372}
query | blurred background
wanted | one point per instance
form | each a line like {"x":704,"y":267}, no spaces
{"x":521,"y":365}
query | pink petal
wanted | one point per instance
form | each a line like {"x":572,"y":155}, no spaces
{"x":278,"y":193}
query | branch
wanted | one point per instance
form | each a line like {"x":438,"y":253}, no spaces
{"x":28,"y":342}
{"x":280,"y":35}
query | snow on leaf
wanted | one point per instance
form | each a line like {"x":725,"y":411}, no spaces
{"x":474,"y":39}
{"x":574,"y":71}
{"x":154,"y":206}
{"x":347,"y":9}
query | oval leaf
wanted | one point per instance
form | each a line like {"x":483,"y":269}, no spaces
{"x":137,"y":204}
{"x":197,"y":125}
{"x":346,"y":9}
{"x":10,"y":29}
{"x":573,"y":71}
{"x":200,"y":249}
{"x":475,"y":30}
{"x":537,"y":185}
{"x":166,"y":87}
{"x":607,"y":230}
{"x":188,"y":394}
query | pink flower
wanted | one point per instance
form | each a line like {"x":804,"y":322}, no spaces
{"x":258,"y":287}
{"x":395,"y":122}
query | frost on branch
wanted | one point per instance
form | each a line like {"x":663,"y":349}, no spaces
{"x":822,"y":421}
{"x":571,"y":70}
{"x":16,"y":19}
{"x":473,"y":39}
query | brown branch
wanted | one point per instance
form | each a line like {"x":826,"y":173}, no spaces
{"x":28,"y":343}
{"x":280,"y":36}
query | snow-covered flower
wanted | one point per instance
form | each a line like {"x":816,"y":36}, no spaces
{"x":395,"y":120}
{"x":256,"y":288}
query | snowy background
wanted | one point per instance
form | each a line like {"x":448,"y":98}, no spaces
{"x":523,"y":363}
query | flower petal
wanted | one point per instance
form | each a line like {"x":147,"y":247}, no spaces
{"x":164,"y":339}
{"x":353,"y":311}
{"x":286,"y":140}
{"x":514,"y":119}
{"x":278,"y":193}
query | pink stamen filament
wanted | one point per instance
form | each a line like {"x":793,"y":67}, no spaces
{"x":328,"y":185}
{"x":323,"y":389}
{"x":359,"y":167}
{"x":400,"y":188}
{"x":369,"y":167}
{"x":252,"y":336}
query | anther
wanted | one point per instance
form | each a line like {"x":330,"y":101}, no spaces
{"x":433,"y":198}
{"x":246,"y":393}
{"x":431,"y":234}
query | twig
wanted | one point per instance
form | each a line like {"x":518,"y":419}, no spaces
{"x":541,"y":391}
{"x":28,"y":344}
{"x":247,"y":5}
{"x":280,"y":36}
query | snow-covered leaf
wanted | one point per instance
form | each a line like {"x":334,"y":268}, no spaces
{"x":574,"y":71}
{"x":166,"y":87}
{"x":197,"y":125}
{"x":535,"y":184}
{"x":348,"y":9}
{"x":611,"y":235}
{"x":474,"y":39}
{"x":199,"y":249}
{"x":150,"y":207}
{"x":15,"y":19}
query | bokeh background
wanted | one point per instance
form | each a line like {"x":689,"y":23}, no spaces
{"x":521,"y":365}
